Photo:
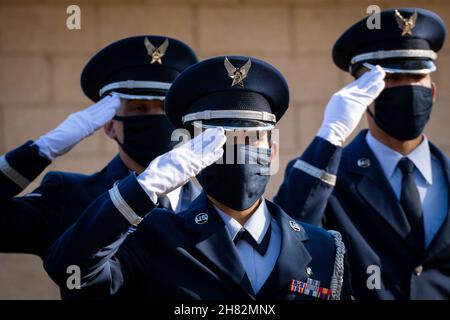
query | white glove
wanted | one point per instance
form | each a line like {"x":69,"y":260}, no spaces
{"x":174,"y":168}
{"x":76,"y":127}
{"x":347,"y":106}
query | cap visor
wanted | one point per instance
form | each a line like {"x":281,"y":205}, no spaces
{"x":403,"y":66}
{"x":235,"y":125}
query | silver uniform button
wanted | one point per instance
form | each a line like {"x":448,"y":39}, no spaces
{"x":364,"y":163}
{"x":418,"y":270}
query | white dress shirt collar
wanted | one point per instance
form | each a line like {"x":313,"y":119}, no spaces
{"x":388,"y":158}
{"x":174,"y":198}
{"x":256,"y":225}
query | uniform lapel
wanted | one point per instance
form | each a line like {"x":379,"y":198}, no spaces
{"x":189,"y":192}
{"x":374,"y":186}
{"x":442,"y":238}
{"x":215,"y":244}
{"x":293,"y":259}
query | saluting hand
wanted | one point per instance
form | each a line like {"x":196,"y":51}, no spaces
{"x":77,"y":126}
{"x":174,"y":168}
{"x":347,"y":106}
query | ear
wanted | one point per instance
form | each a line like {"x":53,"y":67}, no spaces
{"x":110,"y":130}
{"x":434,"y":91}
{"x":274,"y":159}
{"x":274,"y":153}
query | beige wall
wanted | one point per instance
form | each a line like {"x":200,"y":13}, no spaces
{"x":40,"y":64}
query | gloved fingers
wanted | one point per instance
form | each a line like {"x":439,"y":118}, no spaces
{"x":364,"y":91}
{"x":107,"y":103}
{"x":113,"y":103}
{"x":374,"y":75}
{"x":73,"y":124}
{"x":377,"y":74}
{"x":214,"y":140}
{"x":212,"y":157}
{"x":376,"y":89}
{"x":99,"y":105}
{"x":104,"y":116}
{"x":103,"y":112}
{"x":208,"y":141}
{"x":196,"y":144}
{"x":366,"y":95}
{"x":212,"y":133}
{"x":357,"y":82}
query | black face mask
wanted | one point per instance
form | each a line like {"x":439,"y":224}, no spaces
{"x":146,"y":137}
{"x":403,"y":111}
{"x":236,"y":185}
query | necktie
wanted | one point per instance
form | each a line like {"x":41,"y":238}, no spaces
{"x":410,"y":201}
{"x":261,"y":248}
{"x":164,"y":202}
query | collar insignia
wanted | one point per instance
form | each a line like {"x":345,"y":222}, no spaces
{"x":363,"y":163}
{"x":295,"y":226}
{"x":201,"y":218}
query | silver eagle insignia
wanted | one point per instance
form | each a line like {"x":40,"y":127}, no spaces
{"x":406,"y":24}
{"x":237,"y":74}
{"x":156,"y":52}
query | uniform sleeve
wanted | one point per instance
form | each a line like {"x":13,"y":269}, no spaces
{"x":309,"y":181}
{"x":28,"y":224}
{"x":18,"y":168}
{"x":93,"y":241}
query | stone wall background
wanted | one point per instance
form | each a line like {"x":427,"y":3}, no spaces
{"x":41,"y":61}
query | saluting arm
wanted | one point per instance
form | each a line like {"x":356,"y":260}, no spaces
{"x":309,"y":180}
{"x":27,"y":224}
{"x":89,"y":245}
{"x":18,"y":168}
{"x":92,"y":242}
